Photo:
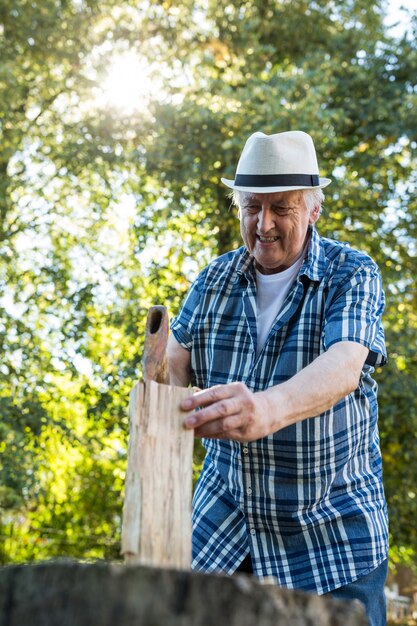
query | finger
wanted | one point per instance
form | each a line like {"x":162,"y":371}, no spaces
{"x":219,"y":410}
{"x":222,"y":428}
{"x":206,"y":397}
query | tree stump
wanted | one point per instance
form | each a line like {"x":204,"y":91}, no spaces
{"x":101,"y":594}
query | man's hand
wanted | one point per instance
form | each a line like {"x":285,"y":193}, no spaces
{"x":234,"y":412}
{"x":229,"y":412}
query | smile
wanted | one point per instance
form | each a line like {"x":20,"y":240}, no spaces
{"x":267,"y":239}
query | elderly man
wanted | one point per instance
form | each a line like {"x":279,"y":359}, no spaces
{"x":282,"y":336}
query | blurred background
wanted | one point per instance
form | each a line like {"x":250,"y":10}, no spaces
{"x":117,"y":120}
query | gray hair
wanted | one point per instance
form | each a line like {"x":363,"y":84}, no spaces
{"x":312,"y":197}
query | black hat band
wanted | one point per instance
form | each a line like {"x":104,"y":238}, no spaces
{"x":274,"y":180}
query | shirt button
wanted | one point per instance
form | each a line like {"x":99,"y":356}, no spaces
{"x":252,"y":531}
{"x":245,"y":450}
{"x":249,"y":491}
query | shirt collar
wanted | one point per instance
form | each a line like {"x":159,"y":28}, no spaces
{"x":314,"y":265}
{"x":245,"y":266}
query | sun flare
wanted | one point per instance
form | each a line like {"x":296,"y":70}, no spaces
{"x":128,"y":84}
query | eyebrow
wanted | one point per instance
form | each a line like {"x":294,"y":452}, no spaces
{"x":250,"y":198}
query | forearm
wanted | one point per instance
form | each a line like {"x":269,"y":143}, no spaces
{"x":179,"y":363}
{"x":178,"y":380}
{"x":317,"y":387}
{"x":232,"y":411}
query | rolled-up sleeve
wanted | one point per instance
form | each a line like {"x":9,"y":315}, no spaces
{"x":354,"y":310}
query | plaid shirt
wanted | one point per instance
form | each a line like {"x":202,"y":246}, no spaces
{"x":307,"y":502}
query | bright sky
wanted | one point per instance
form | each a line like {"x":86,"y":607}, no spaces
{"x":395,"y":14}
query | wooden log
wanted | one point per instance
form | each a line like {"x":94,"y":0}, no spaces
{"x":157,"y":510}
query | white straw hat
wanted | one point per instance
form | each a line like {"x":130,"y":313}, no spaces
{"x":280,"y":162}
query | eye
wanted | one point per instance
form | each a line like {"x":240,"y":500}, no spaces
{"x":252,"y":208}
{"x":282,"y":210}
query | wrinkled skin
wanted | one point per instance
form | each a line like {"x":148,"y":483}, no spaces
{"x":274,"y":227}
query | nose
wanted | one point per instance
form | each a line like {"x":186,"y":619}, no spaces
{"x":265,"y":220}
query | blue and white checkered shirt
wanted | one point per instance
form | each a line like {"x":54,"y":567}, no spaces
{"x":307,"y":502}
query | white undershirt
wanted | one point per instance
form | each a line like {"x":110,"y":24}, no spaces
{"x":271,"y":291}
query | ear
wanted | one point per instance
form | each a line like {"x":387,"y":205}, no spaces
{"x":314,"y":215}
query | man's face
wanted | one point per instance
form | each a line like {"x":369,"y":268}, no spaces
{"x":274,"y":227}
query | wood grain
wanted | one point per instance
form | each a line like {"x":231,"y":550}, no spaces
{"x":158,"y":491}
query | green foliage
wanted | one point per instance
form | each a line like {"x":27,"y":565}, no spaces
{"x":103,"y":214}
